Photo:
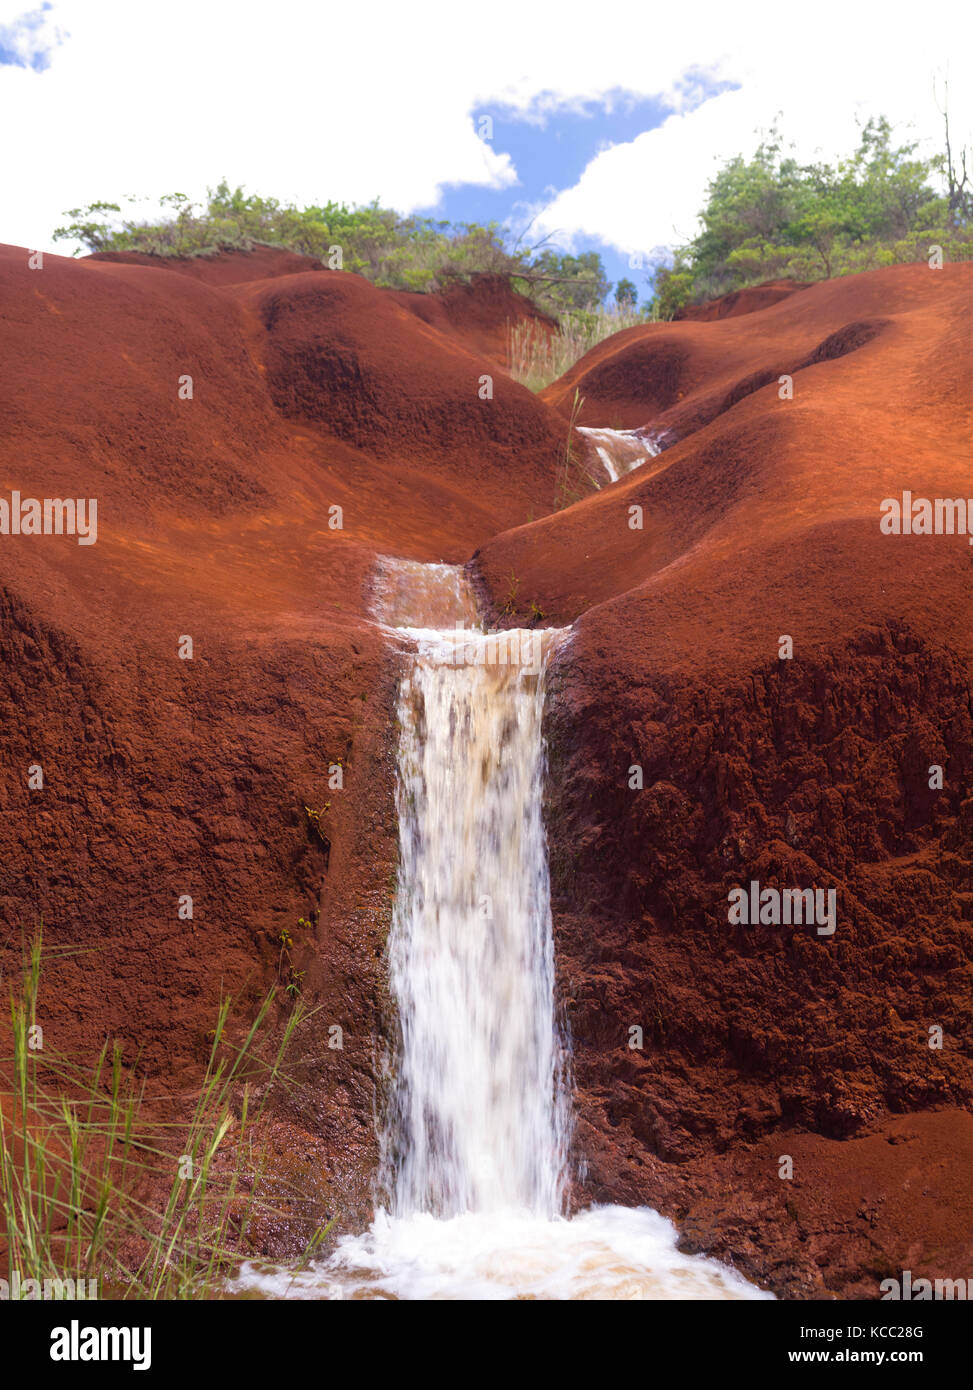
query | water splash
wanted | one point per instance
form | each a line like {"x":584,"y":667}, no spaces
{"x":603,"y":1253}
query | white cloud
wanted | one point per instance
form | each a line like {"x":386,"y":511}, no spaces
{"x":312,"y":102}
{"x":28,"y":39}
{"x":822,"y":74}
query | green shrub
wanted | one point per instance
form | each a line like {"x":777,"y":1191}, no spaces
{"x":404,"y":253}
{"x":771,"y":218}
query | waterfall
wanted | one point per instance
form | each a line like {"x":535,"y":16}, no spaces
{"x":474,"y":1138}
{"x":479,"y":1120}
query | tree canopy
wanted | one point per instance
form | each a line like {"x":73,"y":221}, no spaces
{"x":772,"y":217}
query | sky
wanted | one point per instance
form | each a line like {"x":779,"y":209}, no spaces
{"x":605,"y":121}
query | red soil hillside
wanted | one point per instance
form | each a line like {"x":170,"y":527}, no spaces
{"x":746,"y":301}
{"x":478,"y":315}
{"x":220,"y":267}
{"x":165,"y":777}
{"x":682,"y":375}
{"x":341,"y":354}
{"x":763,"y":520}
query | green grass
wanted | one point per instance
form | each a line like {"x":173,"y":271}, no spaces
{"x":94,"y":1185}
{"x":537,"y":356}
{"x":572,"y":481}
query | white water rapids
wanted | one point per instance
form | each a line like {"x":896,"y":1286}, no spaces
{"x":475,"y":1138}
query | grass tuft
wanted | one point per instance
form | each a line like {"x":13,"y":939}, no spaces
{"x":573,"y":481}
{"x":537,"y":356}
{"x":93,"y":1185}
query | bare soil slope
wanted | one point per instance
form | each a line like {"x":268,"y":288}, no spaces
{"x":164,"y":777}
{"x":313,"y":391}
{"x":761,"y":521}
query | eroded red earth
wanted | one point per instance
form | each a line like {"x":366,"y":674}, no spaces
{"x":313,"y":390}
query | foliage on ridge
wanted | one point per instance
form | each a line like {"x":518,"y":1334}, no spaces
{"x":771,"y":217}
{"x":403,"y":253}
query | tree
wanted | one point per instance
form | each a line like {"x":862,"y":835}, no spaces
{"x":91,"y":226}
{"x":959,"y":193}
{"x":770,"y":217}
{"x":626,"y":294}
{"x":569,"y":282}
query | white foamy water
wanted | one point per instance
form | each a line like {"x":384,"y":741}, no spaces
{"x":603,"y":1253}
{"x":475,"y":1137}
{"x":621,"y":450}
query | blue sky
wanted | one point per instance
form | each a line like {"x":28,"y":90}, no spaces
{"x":550,"y":153}
{"x":608,"y":124}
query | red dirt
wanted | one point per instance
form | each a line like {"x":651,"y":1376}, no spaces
{"x":746,"y":301}
{"x":764,"y":520}
{"x":480,"y":315}
{"x":221,"y":267}
{"x":164,"y":776}
{"x":315,"y":389}
{"x":340,"y":354}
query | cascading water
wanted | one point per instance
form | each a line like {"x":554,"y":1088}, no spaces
{"x":475,"y":1137}
{"x":479,"y":1116}
{"x":621,"y":450}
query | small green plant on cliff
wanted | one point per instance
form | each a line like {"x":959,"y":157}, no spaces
{"x":94,"y":1185}
{"x":510,"y":598}
{"x":295,"y":983}
{"x":288,"y":975}
{"x":313,"y":819}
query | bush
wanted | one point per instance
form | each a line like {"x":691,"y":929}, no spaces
{"x":772,"y":218}
{"x":404,"y":253}
{"x":537,"y":356}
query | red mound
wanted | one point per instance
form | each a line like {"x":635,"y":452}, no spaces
{"x":344,"y":355}
{"x":480,"y":315}
{"x":746,"y":301}
{"x":166,"y":777}
{"x":221,"y":267}
{"x":681,"y":376}
{"x":812,"y":771}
